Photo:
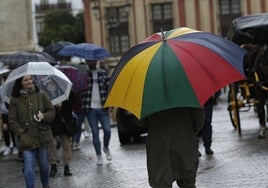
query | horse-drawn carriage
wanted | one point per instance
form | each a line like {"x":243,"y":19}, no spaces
{"x":251,"y":33}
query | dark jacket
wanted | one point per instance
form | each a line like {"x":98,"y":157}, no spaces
{"x":172,"y":149}
{"x":31,"y":133}
{"x":63,"y":113}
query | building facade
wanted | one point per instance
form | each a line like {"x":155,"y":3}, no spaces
{"x":120,"y":24}
{"x":16,"y":26}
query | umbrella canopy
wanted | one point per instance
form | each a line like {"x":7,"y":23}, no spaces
{"x":177,"y":68}
{"x":17,"y":59}
{"x":80,"y":66}
{"x":78,"y":77}
{"x":55,"y":47}
{"x":249,"y":29}
{"x":85,"y":50}
{"x":48,"y":78}
{"x":4,"y":70}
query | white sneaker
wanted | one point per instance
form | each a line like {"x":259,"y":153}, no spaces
{"x":2,"y":149}
{"x":108,"y":154}
{"x":7,"y":151}
{"x":15,"y":151}
{"x":99,"y":160}
{"x":75,"y":146}
{"x":86,"y":134}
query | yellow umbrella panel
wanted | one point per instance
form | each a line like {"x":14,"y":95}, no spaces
{"x":127,"y":90}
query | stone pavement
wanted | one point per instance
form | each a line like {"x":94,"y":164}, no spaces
{"x":238,"y":162}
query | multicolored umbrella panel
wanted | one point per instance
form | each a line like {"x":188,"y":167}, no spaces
{"x":177,"y":68}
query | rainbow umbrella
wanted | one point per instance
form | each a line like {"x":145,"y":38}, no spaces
{"x":177,"y":68}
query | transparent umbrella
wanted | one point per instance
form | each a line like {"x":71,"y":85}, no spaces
{"x":48,"y":78}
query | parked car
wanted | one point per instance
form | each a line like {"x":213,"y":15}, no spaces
{"x":129,"y":129}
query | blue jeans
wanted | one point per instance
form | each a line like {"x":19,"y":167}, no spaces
{"x":80,"y":119}
{"x":94,"y":117}
{"x":29,"y":157}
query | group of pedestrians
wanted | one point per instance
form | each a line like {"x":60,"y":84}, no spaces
{"x":37,"y":124}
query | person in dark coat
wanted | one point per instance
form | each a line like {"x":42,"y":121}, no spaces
{"x":58,"y":126}
{"x":171,"y":148}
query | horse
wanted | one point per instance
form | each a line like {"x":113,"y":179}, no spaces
{"x":256,"y":70}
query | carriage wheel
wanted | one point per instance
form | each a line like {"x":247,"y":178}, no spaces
{"x":233,"y":107}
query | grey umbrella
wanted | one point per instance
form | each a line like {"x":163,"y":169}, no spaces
{"x":55,"y":47}
{"x":17,"y":59}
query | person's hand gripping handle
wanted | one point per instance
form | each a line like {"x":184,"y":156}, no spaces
{"x":39,"y":116}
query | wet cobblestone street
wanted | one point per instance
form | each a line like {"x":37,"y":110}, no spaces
{"x":238,"y":162}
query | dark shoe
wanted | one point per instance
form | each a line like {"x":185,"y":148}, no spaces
{"x":67,"y":171}
{"x":53,"y":171}
{"x":209,"y":151}
{"x":199,"y":154}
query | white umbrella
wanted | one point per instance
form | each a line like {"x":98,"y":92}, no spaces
{"x":4,"y":70}
{"x":48,"y":78}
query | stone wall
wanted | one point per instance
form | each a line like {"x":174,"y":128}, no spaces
{"x":16,"y":26}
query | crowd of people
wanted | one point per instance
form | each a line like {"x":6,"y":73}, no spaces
{"x":39,"y":138}
{"x":34,"y":128}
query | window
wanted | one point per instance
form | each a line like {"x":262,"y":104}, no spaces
{"x":39,"y":26}
{"x":117,"y":24}
{"x":229,"y":10}
{"x":61,"y":1}
{"x":228,"y":7}
{"x":162,"y":16}
{"x":44,"y":2}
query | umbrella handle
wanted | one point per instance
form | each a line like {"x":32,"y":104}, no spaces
{"x":36,"y":118}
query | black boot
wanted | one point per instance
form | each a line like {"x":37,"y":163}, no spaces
{"x":53,"y":171}
{"x":67,"y":171}
{"x":209,"y":151}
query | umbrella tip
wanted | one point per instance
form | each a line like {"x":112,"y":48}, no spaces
{"x":163,"y":35}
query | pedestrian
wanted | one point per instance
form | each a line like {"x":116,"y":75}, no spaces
{"x":171,"y":147}
{"x":8,"y":134}
{"x":63,"y":114}
{"x":80,"y":116}
{"x":30,"y":113}
{"x":206,"y":131}
{"x":93,"y":101}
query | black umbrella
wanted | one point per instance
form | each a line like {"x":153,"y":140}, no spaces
{"x":249,"y":29}
{"x":55,"y":47}
{"x":17,"y":59}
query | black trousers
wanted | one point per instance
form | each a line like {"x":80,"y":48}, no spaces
{"x":206,"y":131}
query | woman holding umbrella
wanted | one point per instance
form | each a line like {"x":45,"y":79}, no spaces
{"x":30,"y":113}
